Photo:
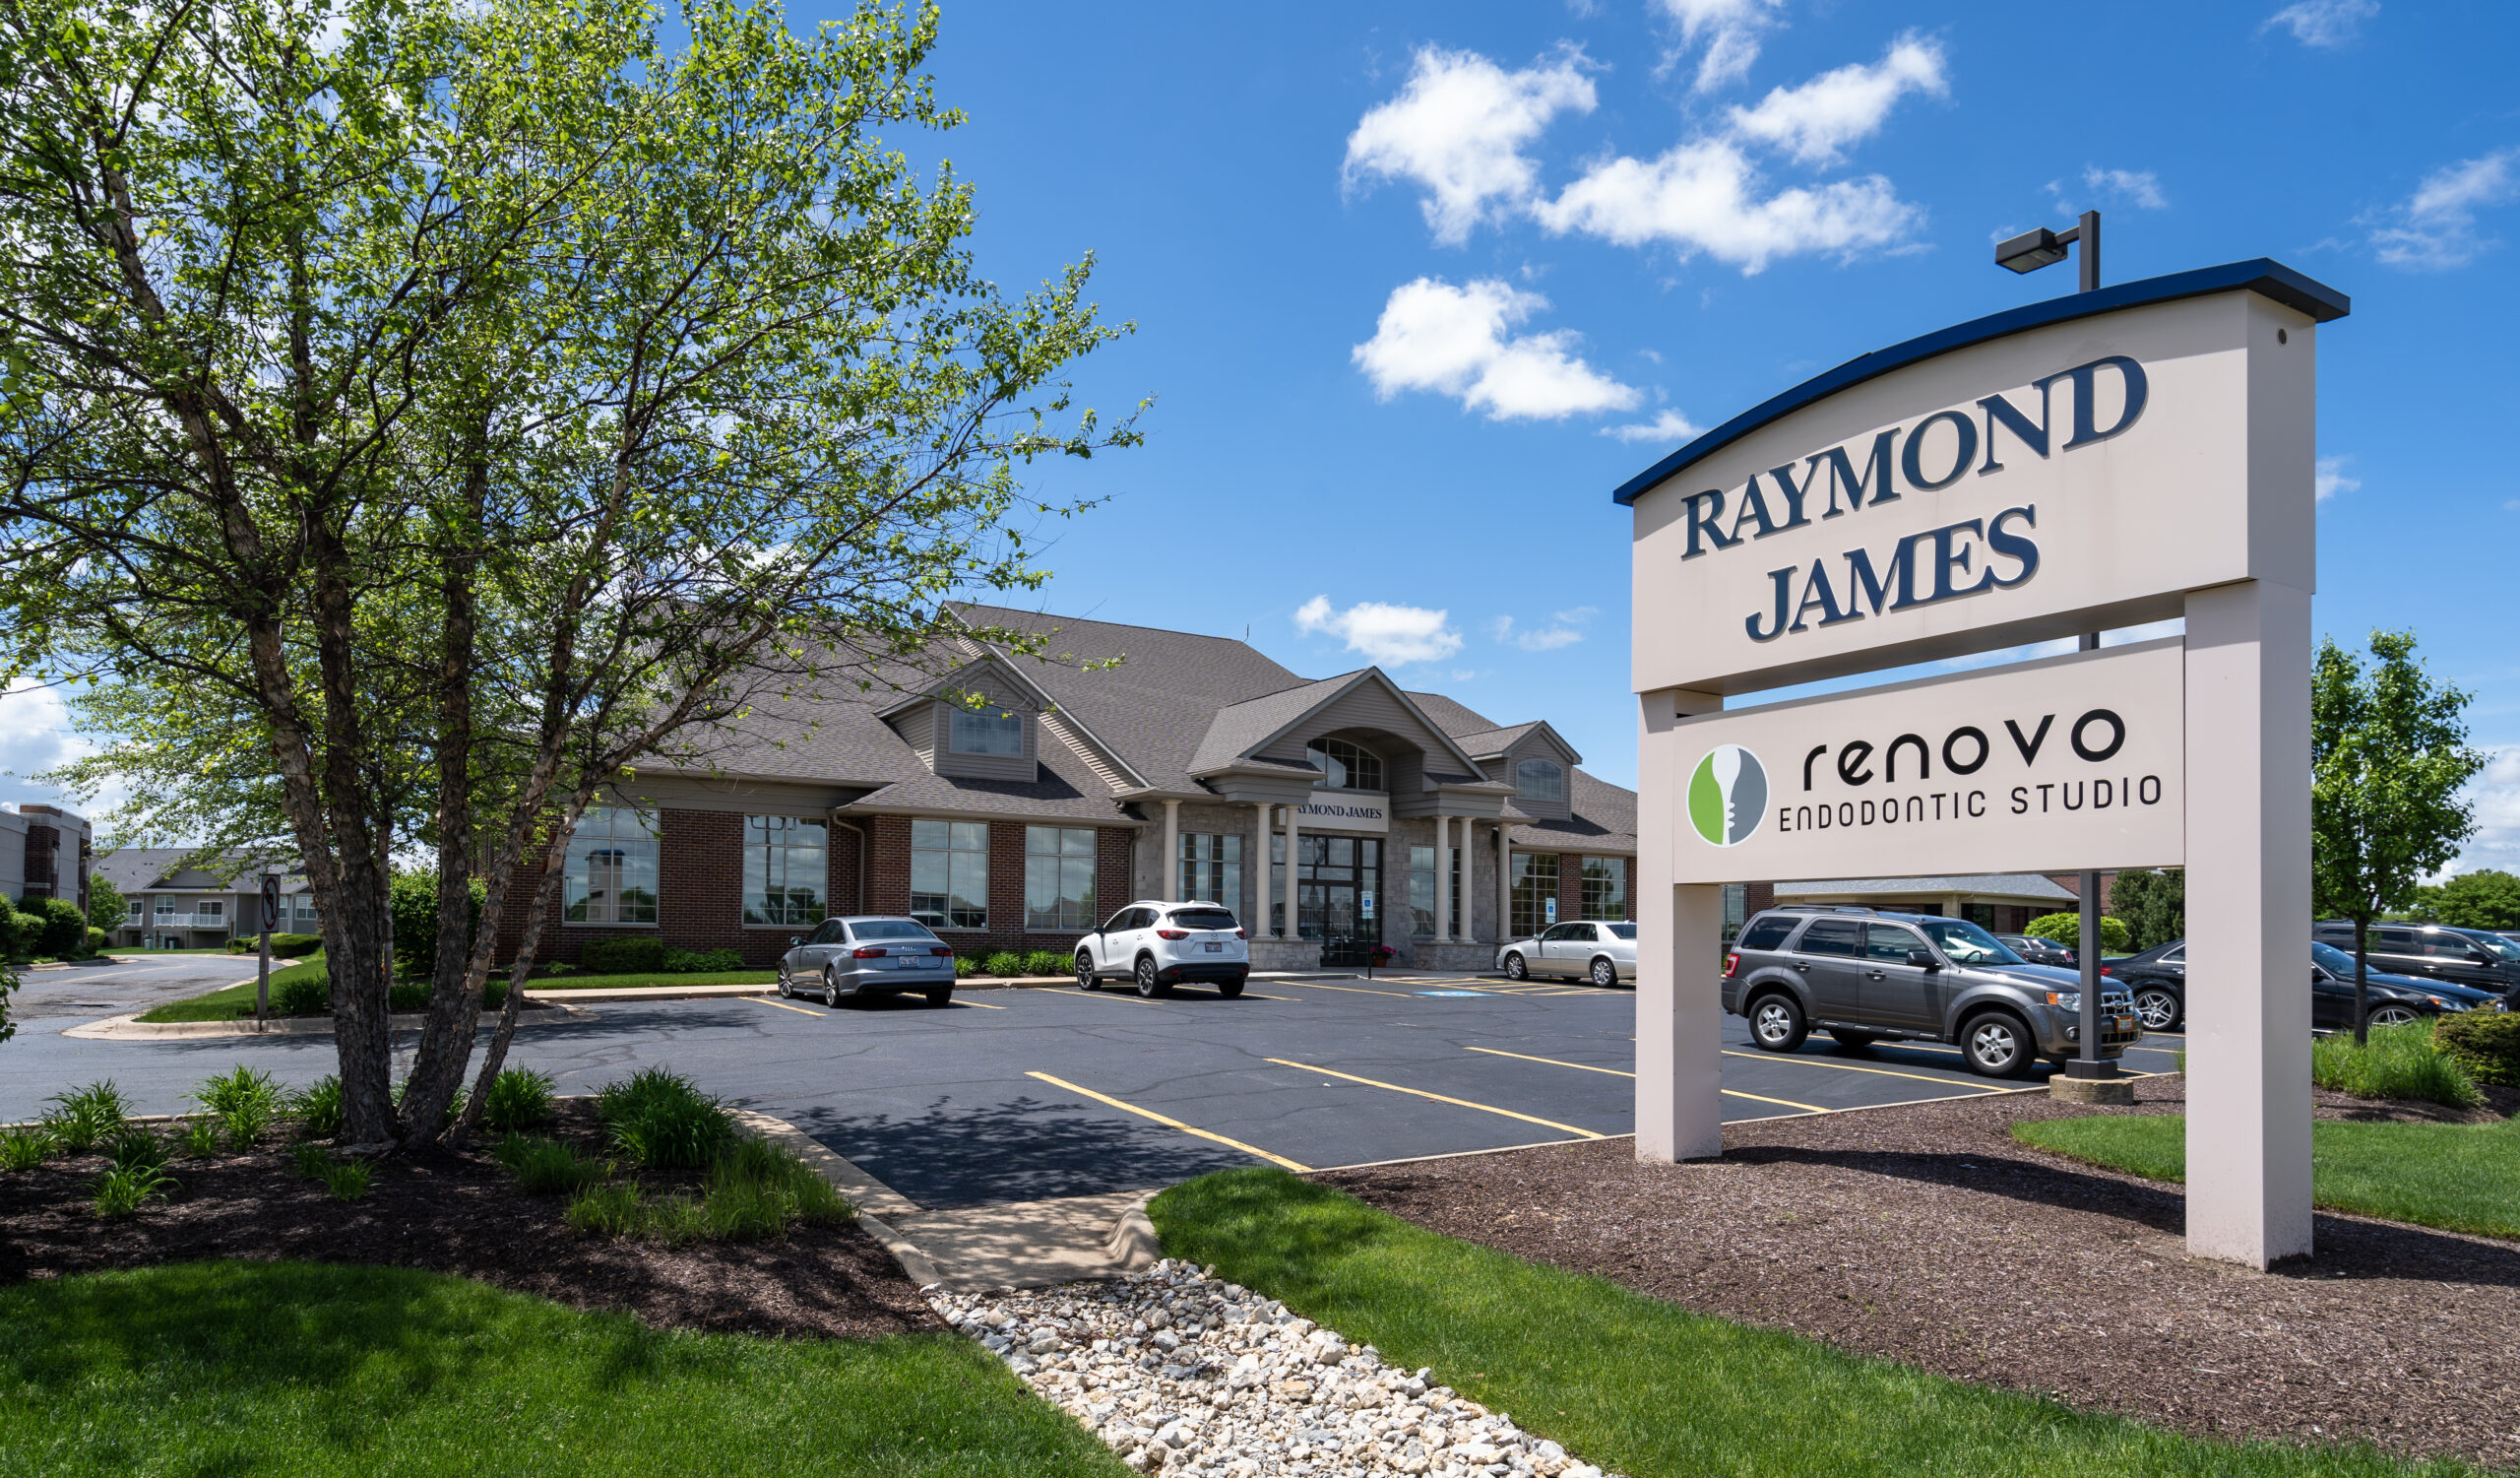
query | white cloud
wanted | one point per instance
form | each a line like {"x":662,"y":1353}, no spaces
{"x":1459,"y":129}
{"x":2330,"y":24}
{"x":2435,"y":228}
{"x":1387,"y":635}
{"x":1578,"y":615}
{"x":1667,"y":426}
{"x":1705,"y":196}
{"x":1816,"y":121}
{"x":36,"y":734}
{"x":2332,"y":478}
{"x":2139,"y":187}
{"x":2496,"y":793}
{"x":1563,"y":630}
{"x":1455,"y":341}
{"x":1732,"y":30}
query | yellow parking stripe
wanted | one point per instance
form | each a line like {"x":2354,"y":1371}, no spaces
{"x":1172,"y":1123}
{"x":1314,"y":985}
{"x":1552,"y":1061}
{"x":1440,"y":1098}
{"x":1765,"y":1056}
{"x":979,"y":1005}
{"x":783,"y":1005}
{"x":1787,"y":1102}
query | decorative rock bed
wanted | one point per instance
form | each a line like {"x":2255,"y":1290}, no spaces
{"x":1183,"y":1373}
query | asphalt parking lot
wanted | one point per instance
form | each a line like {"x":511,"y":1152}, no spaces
{"x":1021,"y":1094}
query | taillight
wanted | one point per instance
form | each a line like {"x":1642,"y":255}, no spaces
{"x":942,"y":950}
{"x":1174,"y":934}
{"x":1239,"y":934}
{"x":869,"y":952}
{"x":1732,"y":966}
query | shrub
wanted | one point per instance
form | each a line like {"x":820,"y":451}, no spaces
{"x":25,"y":1148}
{"x":2485,"y":1042}
{"x":606,"y":1210}
{"x":1003,"y":963}
{"x":291,"y":946}
{"x":124,"y":1189}
{"x":1049,"y":962}
{"x":637,"y":955}
{"x":2068,"y":929}
{"x":411,"y":908}
{"x":312,"y":1161}
{"x":966,"y":966}
{"x":662,"y":1120}
{"x":317,"y":1108}
{"x":303,"y":996}
{"x":20,"y":933}
{"x":518,"y":1097}
{"x":2401,"y":1061}
{"x":62,"y":931}
{"x":764,"y":1186}
{"x":87,"y":1116}
{"x":347,"y":1180}
{"x":694,"y":961}
{"x":136,"y":1147}
{"x":96,"y":939}
{"x":403,"y":997}
{"x":546,"y":1167}
{"x":245,"y":1100}
{"x":201,"y":1137}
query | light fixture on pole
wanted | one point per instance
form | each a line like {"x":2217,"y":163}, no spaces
{"x":2042,"y":248}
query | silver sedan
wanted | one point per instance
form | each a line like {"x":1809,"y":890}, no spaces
{"x":869,"y":956}
{"x":1602,"y":953}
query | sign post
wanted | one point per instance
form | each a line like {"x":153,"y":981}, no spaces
{"x":262,"y":974}
{"x":2128,"y":455}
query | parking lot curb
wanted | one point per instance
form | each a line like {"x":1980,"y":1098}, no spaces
{"x":130,"y":1028}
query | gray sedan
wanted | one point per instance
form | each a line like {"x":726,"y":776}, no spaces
{"x":878,"y":955}
{"x":1602,"y":953}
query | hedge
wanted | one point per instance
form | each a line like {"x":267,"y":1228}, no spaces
{"x":2485,"y":1043}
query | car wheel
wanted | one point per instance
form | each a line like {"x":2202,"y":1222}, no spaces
{"x":2391,"y":1015}
{"x":831,"y":989}
{"x":2158,"y":1007}
{"x":1515,"y":969}
{"x":1854,"y":1039}
{"x":1231,"y":988}
{"x":1777,"y":1024}
{"x":1147,"y":986}
{"x":1605,"y":973}
{"x":940,"y":995}
{"x":786,"y":983}
{"x":1086,"y":980}
{"x":1997,"y":1045}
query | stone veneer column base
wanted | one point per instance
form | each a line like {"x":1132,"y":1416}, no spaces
{"x":2091,"y":1090}
{"x":1286,"y":954}
{"x":1452,"y":955}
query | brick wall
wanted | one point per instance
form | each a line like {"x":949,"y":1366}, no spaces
{"x":1630,"y":890}
{"x":1570,"y":886}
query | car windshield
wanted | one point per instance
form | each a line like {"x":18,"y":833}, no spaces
{"x":2503,"y":949}
{"x":2336,"y":960}
{"x":1201,"y":918}
{"x":888,"y":928}
{"x":1622,"y":930}
{"x":1967,"y":944}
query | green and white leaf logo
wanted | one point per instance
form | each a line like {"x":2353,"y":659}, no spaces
{"x":1728,"y":794}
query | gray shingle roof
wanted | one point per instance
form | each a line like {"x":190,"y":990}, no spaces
{"x":1247,"y":725}
{"x":2011,"y":884}
{"x":1603,"y":815}
{"x":1488,"y":743}
{"x":135,"y":870}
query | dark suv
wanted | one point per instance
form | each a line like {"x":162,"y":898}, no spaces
{"x":2476,"y":959}
{"x":1864,"y":976}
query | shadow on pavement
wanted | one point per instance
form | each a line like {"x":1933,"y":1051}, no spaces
{"x":1024,"y":1150}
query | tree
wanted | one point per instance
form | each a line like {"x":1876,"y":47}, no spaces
{"x":2068,"y":929}
{"x":464,"y":401}
{"x":2483,"y":899}
{"x":2388,"y":757}
{"x":106,"y":909}
{"x":2154,"y":904}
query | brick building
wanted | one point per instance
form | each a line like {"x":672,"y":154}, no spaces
{"x":1014,"y":802}
{"x":45,"y":852}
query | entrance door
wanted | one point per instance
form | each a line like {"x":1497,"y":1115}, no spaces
{"x":1332,"y":879}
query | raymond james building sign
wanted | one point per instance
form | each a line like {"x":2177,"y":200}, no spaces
{"x":1346,"y":811}
{"x":2126,"y":455}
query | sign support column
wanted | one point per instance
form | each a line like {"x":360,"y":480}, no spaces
{"x":1679,"y":962}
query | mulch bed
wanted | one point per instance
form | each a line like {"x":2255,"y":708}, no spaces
{"x":461,"y":1213}
{"x":1926,"y":1234}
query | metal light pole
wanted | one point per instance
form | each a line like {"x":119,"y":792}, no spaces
{"x":2028,"y":252}
{"x":263,"y":976}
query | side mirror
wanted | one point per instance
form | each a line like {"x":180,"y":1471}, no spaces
{"x":1924,"y":958}
{"x":794,"y":942}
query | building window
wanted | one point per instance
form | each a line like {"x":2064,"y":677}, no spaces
{"x":1980,"y":914}
{"x":1736,"y":909}
{"x":610,"y":876}
{"x":1606,"y":887}
{"x":1344,"y":767}
{"x":784,"y":871}
{"x":211,"y":908}
{"x":1421,"y":893}
{"x":987,"y":731}
{"x":1535,"y":891}
{"x":1212,"y":868}
{"x":166,"y":908}
{"x":304,"y":912}
{"x":133,"y":906}
{"x":1336,"y":877}
{"x":1540,"y":780}
{"x":1058,"y":877}
{"x":949,"y":874}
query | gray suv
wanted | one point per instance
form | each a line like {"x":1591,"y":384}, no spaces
{"x":1863,"y":976}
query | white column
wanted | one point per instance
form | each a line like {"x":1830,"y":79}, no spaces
{"x":1168,"y":876}
{"x":1504,"y":884}
{"x":1443,"y":879}
{"x":1255,"y":866}
{"x":1679,"y":968}
{"x":2248,"y":878}
{"x":1295,"y":929}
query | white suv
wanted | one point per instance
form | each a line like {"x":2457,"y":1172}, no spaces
{"x":1159,"y":945}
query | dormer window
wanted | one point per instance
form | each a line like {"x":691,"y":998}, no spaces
{"x":987,"y":731}
{"x":1540,"y":780}
{"x":1344,"y":767}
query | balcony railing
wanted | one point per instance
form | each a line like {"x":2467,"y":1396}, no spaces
{"x":181,"y":921}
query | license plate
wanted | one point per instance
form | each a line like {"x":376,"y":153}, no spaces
{"x":1213,"y":948}
{"x":2129,"y":1023}
{"x":907,"y":962}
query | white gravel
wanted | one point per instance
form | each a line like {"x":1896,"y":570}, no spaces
{"x":1183,"y":1373}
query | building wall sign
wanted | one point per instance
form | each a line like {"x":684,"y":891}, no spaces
{"x":2070,"y":762}
{"x":1345,"y":810}
{"x":2103,"y":465}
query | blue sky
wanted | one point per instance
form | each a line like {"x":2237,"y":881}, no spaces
{"x":1417,"y":285}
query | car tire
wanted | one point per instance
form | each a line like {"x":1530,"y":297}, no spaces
{"x":786,"y":983}
{"x":1515,"y":969}
{"x":2160,"y":1007}
{"x":941,"y":995}
{"x":1149,"y":986}
{"x":1086,"y":979}
{"x":1995,"y":1044}
{"x":1777,"y":1023}
{"x":2392,"y":1015}
{"x":1605,"y":973}
{"x":1851,"y":1039}
{"x":1231,"y":990}
{"x":831,"y":989}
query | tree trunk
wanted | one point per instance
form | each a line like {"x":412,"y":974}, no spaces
{"x":495,"y":1058}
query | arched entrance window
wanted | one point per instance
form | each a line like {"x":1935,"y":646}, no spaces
{"x":1344,"y":767}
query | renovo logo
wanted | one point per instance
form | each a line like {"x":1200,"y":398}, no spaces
{"x":1728,"y":794}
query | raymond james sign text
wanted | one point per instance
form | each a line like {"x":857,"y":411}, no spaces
{"x":1345,"y":810}
{"x":2029,"y":769}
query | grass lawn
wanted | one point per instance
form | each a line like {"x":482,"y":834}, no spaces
{"x":2458,"y":1177}
{"x":764,"y":977}
{"x":232,"y":1002}
{"x":1645,"y":1387}
{"x":302,"y":1368}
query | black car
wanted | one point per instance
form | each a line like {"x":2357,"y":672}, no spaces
{"x":2037,"y":950}
{"x":2476,"y":958}
{"x":2394,"y":998}
{"x":2157,"y":976}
